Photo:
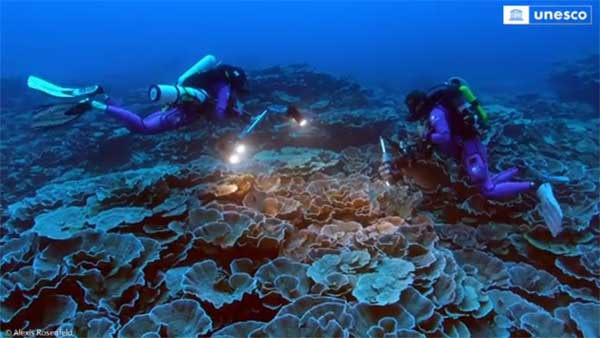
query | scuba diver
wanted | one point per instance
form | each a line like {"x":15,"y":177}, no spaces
{"x":207,"y":88}
{"x":455,"y":120}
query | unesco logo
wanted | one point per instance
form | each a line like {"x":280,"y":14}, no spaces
{"x":547,"y":15}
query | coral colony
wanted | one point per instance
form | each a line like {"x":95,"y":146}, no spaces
{"x":303,"y":239}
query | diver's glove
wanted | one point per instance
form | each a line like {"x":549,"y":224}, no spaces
{"x":244,"y":116}
{"x":423,"y":147}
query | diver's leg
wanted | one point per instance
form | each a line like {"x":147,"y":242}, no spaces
{"x":170,"y":119}
{"x":475,"y":162}
{"x":505,"y":175}
{"x":133,"y":121}
{"x":154,"y":123}
{"x":506,"y":189}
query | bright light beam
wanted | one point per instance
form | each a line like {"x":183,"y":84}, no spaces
{"x":240,"y":148}
{"x":234,"y":159}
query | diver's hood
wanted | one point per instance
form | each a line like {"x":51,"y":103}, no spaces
{"x":237,"y":78}
{"x":415,"y":103}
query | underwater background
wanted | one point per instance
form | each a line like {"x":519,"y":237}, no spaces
{"x":106,"y":233}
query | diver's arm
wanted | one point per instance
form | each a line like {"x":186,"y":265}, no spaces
{"x":236,"y":108}
{"x":223,"y":92}
{"x":440,"y":133}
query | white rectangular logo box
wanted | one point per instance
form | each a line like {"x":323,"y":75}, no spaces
{"x":516,"y":15}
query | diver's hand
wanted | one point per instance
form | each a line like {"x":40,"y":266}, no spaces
{"x":421,"y":146}
{"x":245,"y":116}
{"x":424,"y":134}
{"x":423,"y":149}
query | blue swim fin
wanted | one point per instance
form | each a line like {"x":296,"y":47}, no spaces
{"x":550,"y":209}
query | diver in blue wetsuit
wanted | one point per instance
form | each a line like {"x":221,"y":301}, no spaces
{"x":454,"y":119}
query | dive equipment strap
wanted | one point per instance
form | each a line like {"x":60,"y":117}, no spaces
{"x":51,"y":89}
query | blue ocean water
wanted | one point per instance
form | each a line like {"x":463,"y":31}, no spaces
{"x":383,"y":43}
{"x":342,"y":213}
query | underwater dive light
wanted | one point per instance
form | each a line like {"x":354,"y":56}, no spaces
{"x":294,"y":113}
{"x":240,"y":148}
{"x":236,"y":153}
{"x":235,"y":159}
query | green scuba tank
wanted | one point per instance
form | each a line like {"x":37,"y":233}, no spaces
{"x":470,"y":97}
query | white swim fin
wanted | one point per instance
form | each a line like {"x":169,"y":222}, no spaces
{"x":51,"y":89}
{"x":550,"y":209}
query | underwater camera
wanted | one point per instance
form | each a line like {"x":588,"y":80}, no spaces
{"x":294,"y":113}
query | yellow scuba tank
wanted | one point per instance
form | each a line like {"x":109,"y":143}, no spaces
{"x":470,"y":97}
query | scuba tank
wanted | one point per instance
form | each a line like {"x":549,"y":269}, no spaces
{"x":205,"y":64}
{"x":169,"y":94}
{"x":469,"y":97}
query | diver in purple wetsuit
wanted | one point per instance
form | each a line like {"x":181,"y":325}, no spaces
{"x":452,"y":133}
{"x":454,"y":129}
{"x":212,"y":93}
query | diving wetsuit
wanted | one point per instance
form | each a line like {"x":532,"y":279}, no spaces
{"x":453,"y":136}
{"x":181,"y":114}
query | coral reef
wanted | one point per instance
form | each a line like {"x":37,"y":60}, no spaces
{"x":304,"y":239}
{"x":578,"y":80}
